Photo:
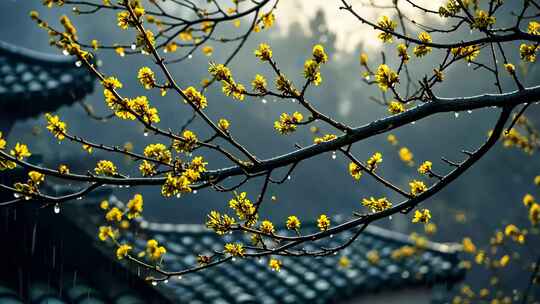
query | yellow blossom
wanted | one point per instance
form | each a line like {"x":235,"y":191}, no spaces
{"x":207,"y":50}
{"x":355,"y":171}
{"x":468,"y":245}
{"x":104,"y":205}
{"x":373,"y":257}
{"x":122,"y":251}
{"x":267,"y":227}
{"x":385,"y":77}
{"x":417,"y":187}
{"x":106,"y":232}
{"x":319,"y":55}
{"x":235,"y":249}
{"x":195,"y":97}
{"x":482,"y":20}
{"x":377,"y":205}
{"x":264,"y":53}
{"x":387,"y":25}
{"x":259,"y":84}
{"x":135,"y":206}
{"x":154,"y":251}
{"x":396,"y":107}
{"x":105,"y":167}
{"x":114,"y":215}
{"x":373,"y":161}
{"x":274,"y":264}
{"x":293,"y":223}
{"x":56,"y":126}
{"x":20,"y":151}
{"x":323,"y":222}
{"x":421,"y":216}
{"x":287,"y":123}
{"x":146,"y":77}
{"x":423,"y":49}
{"x":425,"y":167}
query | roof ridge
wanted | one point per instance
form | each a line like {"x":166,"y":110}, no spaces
{"x":33,"y":56}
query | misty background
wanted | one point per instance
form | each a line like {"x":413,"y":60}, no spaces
{"x":489,"y":193}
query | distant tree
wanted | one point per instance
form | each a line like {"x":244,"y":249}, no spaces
{"x":176,"y":167}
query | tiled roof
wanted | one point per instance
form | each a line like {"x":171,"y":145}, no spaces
{"x":301,"y":279}
{"x":32,"y":82}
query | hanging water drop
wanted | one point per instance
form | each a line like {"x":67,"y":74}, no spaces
{"x":56,"y":208}
{"x":469,"y":111}
{"x":289,"y":177}
{"x":16,"y":195}
{"x":65,"y":52}
{"x":166,"y":281}
{"x":178,"y":195}
{"x":390,"y":217}
{"x":456,"y":114}
{"x":190,"y":56}
{"x":154,"y":283}
{"x":264,"y":101}
{"x":334,"y":155}
{"x":179,"y":277}
{"x":145,"y":133}
{"x":78,"y":63}
{"x":133,"y":46}
{"x":233,"y":259}
{"x":414,"y":122}
{"x":331,"y":235}
{"x":194,"y":191}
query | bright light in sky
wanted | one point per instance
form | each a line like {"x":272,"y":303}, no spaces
{"x":350,"y":32}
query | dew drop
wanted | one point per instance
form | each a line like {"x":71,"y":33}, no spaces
{"x":65,"y":52}
{"x":145,"y":133}
{"x":79,"y":198}
{"x":469,"y":64}
{"x":56,"y":208}
{"x":178,"y":195}
{"x":469,"y":111}
{"x":154,"y":283}
{"x":194,"y":191}
{"x":165,"y":51}
{"x":289,"y":177}
{"x":78,"y":63}
{"x":16,"y":195}
{"x":390,"y":217}
{"x":331,"y":235}
{"x":334,"y":155}
{"x":233,"y":259}
{"x":456,"y":114}
{"x":133,"y":46}
{"x":166,"y":281}
{"x":263,"y":101}
{"x":190,"y":56}
{"x":180,"y":277}
{"x":414,"y":122}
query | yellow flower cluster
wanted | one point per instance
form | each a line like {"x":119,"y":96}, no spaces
{"x":154,"y":251}
{"x":145,"y":40}
{"x":147,"y":168}
{"x":114,"y":215}
{"x":158,"y":152}
{"x":355,"y":171}
{"x":396,"y":107}
{"x":417,"y":187}
{"x":106,"y":232}
{"x":323,"y":222}
{"x":195,"y":97}
{"x":482,"y":20}
{"x":187,"y":144}
{"x":451,"y":8}
{"x":224,"y":124}
{"x":285,"y":86}
{"x":259,"y":84}
{"x":469,"y":53}
{"x":287,"y":123}
{"x":20,"y":151}
{"x":403,"y":252}
{"x":387,"y":25}
{"x":406,"y":156}
{"x":373,"y":257}
{"x":31,"y":186}
{"x":56,"y":126}
{"x":235,"y":249}
{"x":230,"y":87}
{"x":264,"y":52}
{"x":373,"y":161}
{"x":312,"y":70}
{"x":402,"y":53}
{"x":293,"y":223}
{"x":122,"y":251}
{"x":468,"y":245}
{"x":422,"y":216}
{"x":377,"y":205}
{"x":146,"y":77}
{"x":385,"y":77}
{"x":175,"y":185}
{"x":105,"y":167}
{"x":245,"y":210}
{"x":274,"y":264}
{"x":528,"y":52}
{"x":423,"y":49}
{"x":425,"y":167}
{"x":267,"y":227}
{"x":221,"y":224}
{"x":135,"y":207}
{"x":533,"y":28}
{"x":515,"y":233}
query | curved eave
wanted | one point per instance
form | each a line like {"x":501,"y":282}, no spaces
{"x":32,"y":83}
